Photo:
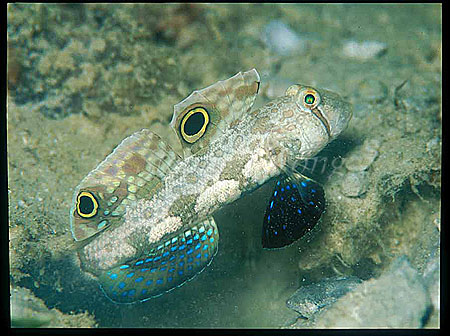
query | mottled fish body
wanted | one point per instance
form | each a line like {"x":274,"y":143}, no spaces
{"x":144,"y":215}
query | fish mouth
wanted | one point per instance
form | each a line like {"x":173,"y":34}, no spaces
{"x":322,"y":119}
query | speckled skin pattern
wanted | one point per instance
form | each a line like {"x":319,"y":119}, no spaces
{"x":150,"y":192}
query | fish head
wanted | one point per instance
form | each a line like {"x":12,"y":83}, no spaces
{"x":333,"y":111}
{"x":303,"y":122}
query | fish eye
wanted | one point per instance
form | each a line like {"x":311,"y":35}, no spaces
{"x":194,"y":124}
{"x":310,"y":98}
{"x":87,"y":204}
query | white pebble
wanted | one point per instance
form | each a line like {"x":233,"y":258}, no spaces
{"x":281,"y":39}
{"x":364,"y":50}
{"x":363,"y":157}
{"x":354,"y":184}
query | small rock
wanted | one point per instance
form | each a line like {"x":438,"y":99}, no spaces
{"x":362,"y":158}
{"x":434,"y":144}
{"x":363,"y":50}
{"x":354,"y":184}
{"x":281,"y":39}
{"x":27,"y":311}
{"x":431,"y":276}
{"x":309,"y":299}
{"x":397,"y":299}
{"x":98,"y":45}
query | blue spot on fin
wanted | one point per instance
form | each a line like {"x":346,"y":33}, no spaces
{"x":295,"y":212}
{"x":163,"y":269}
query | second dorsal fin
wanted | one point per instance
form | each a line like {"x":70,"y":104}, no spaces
{"x":133,"y":171}
{"x":197,"y":119}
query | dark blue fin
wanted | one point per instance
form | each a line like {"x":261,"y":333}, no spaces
{"x":179,"y":258}
{"x":294,"y":209}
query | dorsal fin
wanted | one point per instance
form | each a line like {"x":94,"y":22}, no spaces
{"x":134,"y":170}
{"x":198,"y":118}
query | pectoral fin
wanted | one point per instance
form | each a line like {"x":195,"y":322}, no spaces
{"x":294,"y":209}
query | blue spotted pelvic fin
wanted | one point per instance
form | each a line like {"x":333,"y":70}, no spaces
{"x":198,"y":119}
{"x":294,"y":209}
{"x":134,"y":170}
{"x":177,"y":259}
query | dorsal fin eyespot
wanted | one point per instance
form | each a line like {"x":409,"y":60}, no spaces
{"x":213,"y":109}
{"x":194,"y":123}
{"x":87,"y":204}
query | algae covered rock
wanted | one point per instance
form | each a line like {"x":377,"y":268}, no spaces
{"x":397,"y":299}
{"x":310,"y":299}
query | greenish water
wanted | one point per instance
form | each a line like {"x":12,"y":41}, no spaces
{"x":83,"y":77}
